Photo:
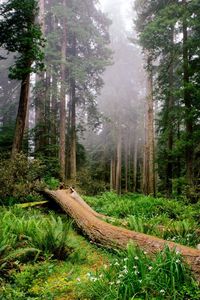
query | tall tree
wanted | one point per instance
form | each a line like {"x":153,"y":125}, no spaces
{"x":21,"y":34}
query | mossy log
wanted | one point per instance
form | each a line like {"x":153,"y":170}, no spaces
{"x":99,"y":232}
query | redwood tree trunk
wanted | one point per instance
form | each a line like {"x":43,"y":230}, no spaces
{"x":170,"y":106}
{"x":40,"y":93}
{"x":151,"y":142}
{"x":62,"y":100}
{"x":73,"y":120}
{"x":188,"y":104}
{"x":21,"y":115}
{"x":119,"y":161}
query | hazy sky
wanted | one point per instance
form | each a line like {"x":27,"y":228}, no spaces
{"x":126,"y":7}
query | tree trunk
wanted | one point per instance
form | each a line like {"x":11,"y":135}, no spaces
{"x":170,"y":106}
{"x":21,"y":115}
{"x":73,"y":120}
{"x":189,"y":151}
{"x":145,"y":173}
{"x":54,"y":111}
{"x":62,"y":99}
{"x":107,"y":235}
{"x":40,"y":93}
{"x":151,"y":145}
{"x":73,"y":133}
{"x":119,"y":161}
{"x":135,"y":160}
{"x":126,"y":166}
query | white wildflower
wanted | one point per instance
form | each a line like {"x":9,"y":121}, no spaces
{"x":118,"y":282}
{"x":134,"y":267}
{"x":125,"y":267}
{"x":136,"y":257}
{"x":162,"y":291}
{"x":150,"y":268}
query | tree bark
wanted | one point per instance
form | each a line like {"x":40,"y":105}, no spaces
{"x":151,"y":142}
{"x":170,"y":106}
{"x":189,"y":151}
{"x":62,"y":100}
{"x":119,"y":161}
{"x":21,"y":115}
{"x":135,"y":163}
{"x":40,"y":93}
{"x":109,"y":236}
{"x":73,"y":121}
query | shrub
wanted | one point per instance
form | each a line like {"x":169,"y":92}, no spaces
{"x":19,"y":178}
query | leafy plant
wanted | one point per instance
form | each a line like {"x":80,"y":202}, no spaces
{"x":136,"y":276}
{"x":19,"y":178}
{"x":27,"y":236}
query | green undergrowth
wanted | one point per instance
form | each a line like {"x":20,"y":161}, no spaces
{"x":41,"y":256}
{"x":168,"y":219}
{"x":133,"y":275}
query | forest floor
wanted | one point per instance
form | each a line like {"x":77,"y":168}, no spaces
{"x":89,"y":272}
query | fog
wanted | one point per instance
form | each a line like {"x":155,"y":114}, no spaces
{"x":122,"y":99}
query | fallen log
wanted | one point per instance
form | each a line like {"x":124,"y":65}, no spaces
{"x":110,"y":236}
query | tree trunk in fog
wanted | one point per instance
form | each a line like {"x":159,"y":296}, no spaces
{"x":170,"y":106}
{"x":135,"y":162}
{"x":109,"y":236}
{"x":40,"y":95}
{"x":151,"y":145}
{"x":119,"y":160}
{"x":188,"y":103}
{"x":126,"y":167}
{"x":21,"y":115}
{"x":145,"y":173}
{"x":47,"y":108}
{"x":113,"y":173}
{"x":62,"y":99}
{"x":54,"y":110}
{"x":73,"y":121}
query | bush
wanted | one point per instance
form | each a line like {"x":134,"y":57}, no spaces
{"x":19,"y":178}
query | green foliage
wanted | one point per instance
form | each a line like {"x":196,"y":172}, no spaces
{"x":136,"y":276}
{"x":20,"y":33}
{"x":20,"y":179}
{"x":89,"y":185}
{"x":27,"y":236}
{"x":52,"y":183}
